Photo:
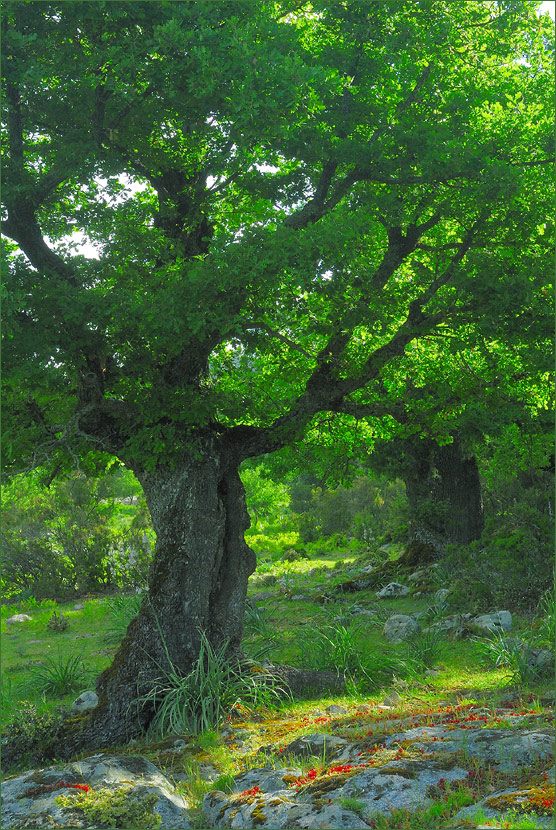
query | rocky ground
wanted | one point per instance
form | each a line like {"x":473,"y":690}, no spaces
{"x":368,"y":762}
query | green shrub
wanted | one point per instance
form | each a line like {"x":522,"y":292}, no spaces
{"x":31,"y":734}
{"x":57,"y":623}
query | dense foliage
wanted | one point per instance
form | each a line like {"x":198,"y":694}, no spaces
{"x":336,"y":206}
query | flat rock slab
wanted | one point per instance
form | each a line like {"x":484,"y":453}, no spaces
{"x":321,"y":746}
{"x":399,"y":784}
{"x":276,"y":810}
{"x":26,"y":801}
{"x":269,"y":798}
{"x":509,"y":749}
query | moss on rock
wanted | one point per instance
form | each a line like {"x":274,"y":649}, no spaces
{"x":110,"y":808}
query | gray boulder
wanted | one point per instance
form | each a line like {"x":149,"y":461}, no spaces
{"x":455,"y":626}
{"x":18,"y":618}
{"x":497,"y":621}
{"x":85,"y":702}
{"x":541,"y":659}
{"x":399,"y":627}
{"x":78,"y":606}
{"x":29,"y":800}
{"x":393,"y":589}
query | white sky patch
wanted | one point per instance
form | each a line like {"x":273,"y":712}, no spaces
{"x":547,"y":7}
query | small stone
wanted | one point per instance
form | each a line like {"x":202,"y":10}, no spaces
{"x":78,"y":606}
{"x":492,"y":622}
{"x":399,"y":627}
{"x":334,"y":709}
{"x":85,"y":702}
{"x":393,"y":589}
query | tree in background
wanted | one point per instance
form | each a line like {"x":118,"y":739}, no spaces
{"x":289,"y":202}
{"x":79,"y":535}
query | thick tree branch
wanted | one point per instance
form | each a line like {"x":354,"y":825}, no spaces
{"x":315,"y":207}
{"x":326,"y":389}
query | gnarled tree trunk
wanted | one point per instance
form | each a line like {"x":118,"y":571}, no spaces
{"x":444,"y":493}
{"x":198,"y":581}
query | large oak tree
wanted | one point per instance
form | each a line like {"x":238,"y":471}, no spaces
{"x":292,"y":203}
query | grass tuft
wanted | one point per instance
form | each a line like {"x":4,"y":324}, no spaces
{"x":201,"y":700}
{"x":58,"y":676}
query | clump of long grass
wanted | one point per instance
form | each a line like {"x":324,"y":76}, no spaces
{"x":330,"y":648}
{"x":59,"y":676}
{"x":123,"y":608}
{"x":426,"y":648}
{"x":546,"y":632}
{"x":336,"y":648}
{"x":509,"y":653}
{"x":202,"y":699}
{"x":261,"y":639}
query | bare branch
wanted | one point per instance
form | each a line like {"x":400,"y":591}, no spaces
{"x":278,"y":336}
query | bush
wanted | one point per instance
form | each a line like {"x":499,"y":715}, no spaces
{"x":30,"y":735}
{"x":76,"y":536}
{"x":502,"y":570}
{"x":57,"y":622}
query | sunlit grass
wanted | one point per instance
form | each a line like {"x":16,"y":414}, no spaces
{"x":28,"y":645}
